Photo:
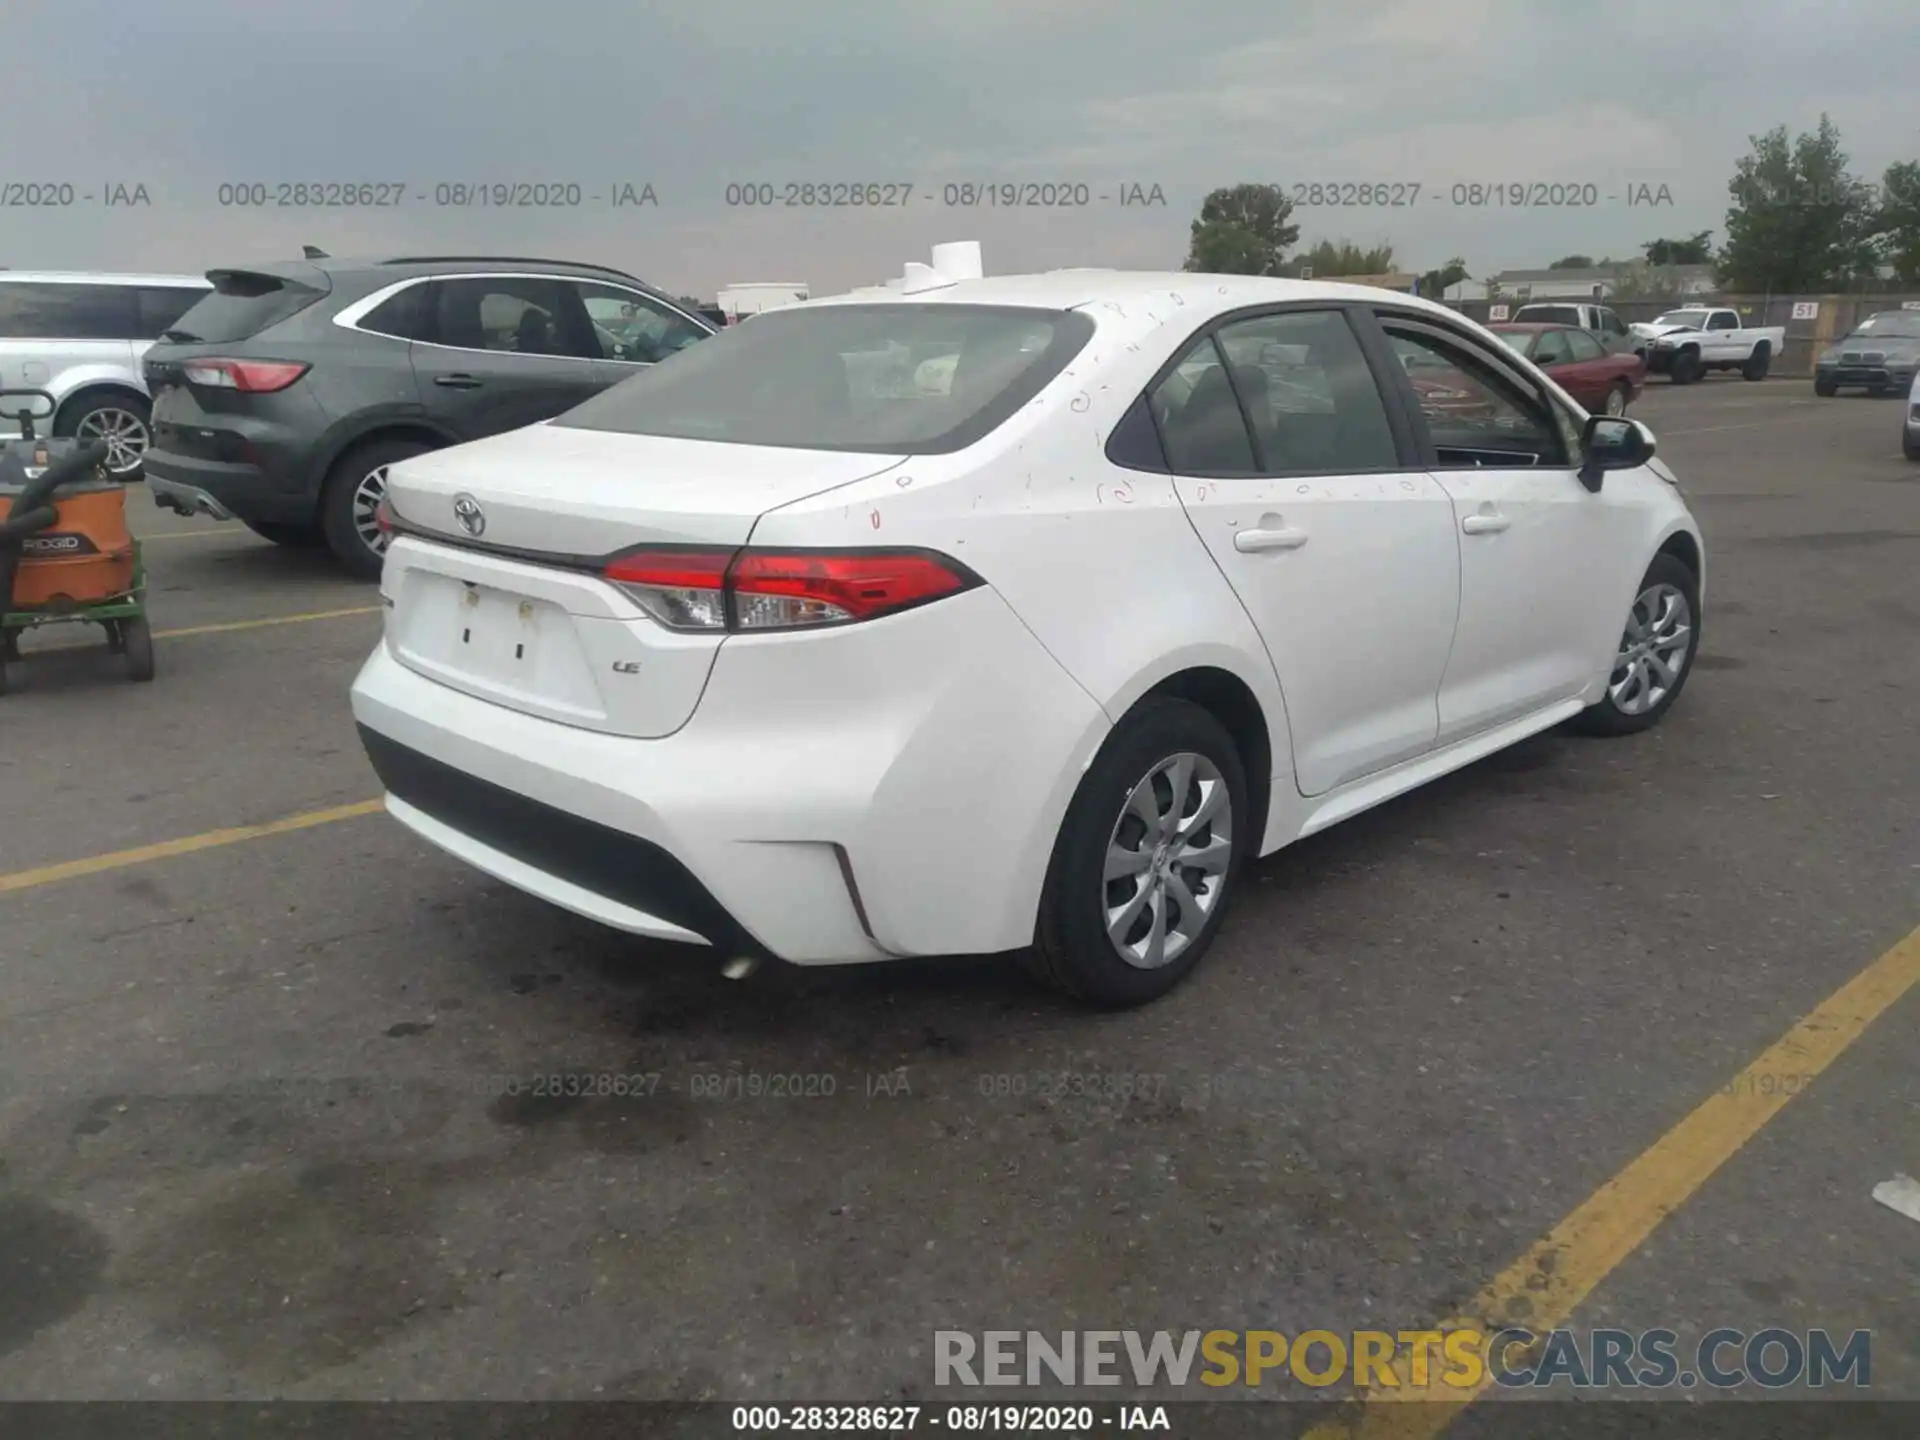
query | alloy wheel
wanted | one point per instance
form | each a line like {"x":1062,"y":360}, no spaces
{"x":124,"y":432}
{"x":367,"y":496}
{"x":1167,"y":861}
{"x":1654,"y":650}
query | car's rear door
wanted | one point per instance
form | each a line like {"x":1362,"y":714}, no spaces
{"x":1553,"y":352}
{"x":1302,"y":483}
{"x":1542,"y":561}
{"x":503,"y":351}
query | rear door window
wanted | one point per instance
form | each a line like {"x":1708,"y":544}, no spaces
{"x":1583,"y":346}
{"x":66,"y":311}
{"x":241,"y":304}
{"x":511,"y":315}
{"x":1553,"y":347}
{"x":1311,"y":398}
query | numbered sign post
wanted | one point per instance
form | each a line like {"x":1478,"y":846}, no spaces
{"x":1496,"y":313}
{"x":1806,"y":309}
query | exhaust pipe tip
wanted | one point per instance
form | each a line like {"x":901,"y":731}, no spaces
{"x":740,"y":967}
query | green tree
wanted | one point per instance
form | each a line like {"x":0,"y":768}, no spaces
{"x":1899,"y":220}
{"x":1242,"y":230}
{"x":1573,"y":262}
{"x":1435,"y":283}
{"x":1330,"y":259}
{"x":1694,"y":250}
{"x":1799,"y":220}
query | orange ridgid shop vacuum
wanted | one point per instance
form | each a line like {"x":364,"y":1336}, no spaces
{"x":66,"y":555}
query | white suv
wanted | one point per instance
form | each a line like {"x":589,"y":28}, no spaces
{"x":973,"y":615}
{"x":80,"y":337}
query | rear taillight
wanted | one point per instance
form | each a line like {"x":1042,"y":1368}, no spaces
{"x":752,"y":591}
{"x":252,"y":377}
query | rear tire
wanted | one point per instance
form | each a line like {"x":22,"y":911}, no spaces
{"x":136,"y":639}
{"x":1758,"y":363}
{"x":293,"y":536}
{"x":124,"y":422}
{"x":1666,"y":608}
{"x":356,"y":482}
{"x":1617,"y":399}
{"x":1167,"y":786}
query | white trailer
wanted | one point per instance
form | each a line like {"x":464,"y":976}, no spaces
{"x":740,"y":301}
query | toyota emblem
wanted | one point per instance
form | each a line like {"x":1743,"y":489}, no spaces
{"x":467,"y":511}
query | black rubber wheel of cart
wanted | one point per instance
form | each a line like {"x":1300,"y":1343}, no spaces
{"x":136,"y":639}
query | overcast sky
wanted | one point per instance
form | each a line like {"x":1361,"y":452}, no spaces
{"x":690,"y":96}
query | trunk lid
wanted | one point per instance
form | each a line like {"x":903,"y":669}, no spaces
{"x":516,"y":613}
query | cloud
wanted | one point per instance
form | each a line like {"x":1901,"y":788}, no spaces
{"x":692,"y":98}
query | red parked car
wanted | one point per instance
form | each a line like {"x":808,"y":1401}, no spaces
{"x":1602,"y":381}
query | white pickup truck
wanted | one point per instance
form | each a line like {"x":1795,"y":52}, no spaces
{"x":1687,"y":343}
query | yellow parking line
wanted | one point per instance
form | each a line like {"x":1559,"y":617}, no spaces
{"x":1541,"y":1289}
{"x":269,"y":620}
{"x":168,"y":849}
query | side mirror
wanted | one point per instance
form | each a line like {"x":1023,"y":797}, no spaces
{"x":1612,"y":443}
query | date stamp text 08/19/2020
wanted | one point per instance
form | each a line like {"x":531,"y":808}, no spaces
{"x":52,"y":193}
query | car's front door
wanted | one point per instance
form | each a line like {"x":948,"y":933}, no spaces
{"x":1541,"y":558}
{"x":502,"y":352}
{"x":1338,"y":544}
{"x":1721,"y":342}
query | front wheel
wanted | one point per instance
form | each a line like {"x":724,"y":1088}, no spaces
{"x":1657,"y":647}
{"x":1147,"y":855}
{"x":1826,"y":389}
{"x":349,"y":508}
{"x":1687,"y":367}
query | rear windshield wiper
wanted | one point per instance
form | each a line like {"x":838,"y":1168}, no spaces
{"x":182,"y":337}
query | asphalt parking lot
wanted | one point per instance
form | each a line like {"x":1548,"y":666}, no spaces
{"x":250,"y":1146}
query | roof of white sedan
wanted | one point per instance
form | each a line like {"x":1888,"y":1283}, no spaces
{"x":1067,"y":289}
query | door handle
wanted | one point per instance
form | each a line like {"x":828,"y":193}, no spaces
{"x":457,"y":382}
{"x":1250,"y":541}
{"x":1485,"y":523}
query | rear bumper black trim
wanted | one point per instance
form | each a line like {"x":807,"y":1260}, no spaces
{"x":608,"y":862}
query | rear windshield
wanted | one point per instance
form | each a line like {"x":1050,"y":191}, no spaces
{"x":1557,"y":314}
{"x":889,"y":379}
{"x":240,"y":306}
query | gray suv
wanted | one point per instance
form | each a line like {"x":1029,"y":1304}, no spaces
{"x":80,"y":336}
{"x":283,"y":396}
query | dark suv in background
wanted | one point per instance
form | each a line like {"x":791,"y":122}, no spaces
{"x":281,"y":398}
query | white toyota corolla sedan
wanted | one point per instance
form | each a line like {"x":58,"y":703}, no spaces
{"x":972,"y":615}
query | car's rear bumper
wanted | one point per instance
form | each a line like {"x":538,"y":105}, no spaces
{"x":836,"y":798}
{"x":227,"y":490}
